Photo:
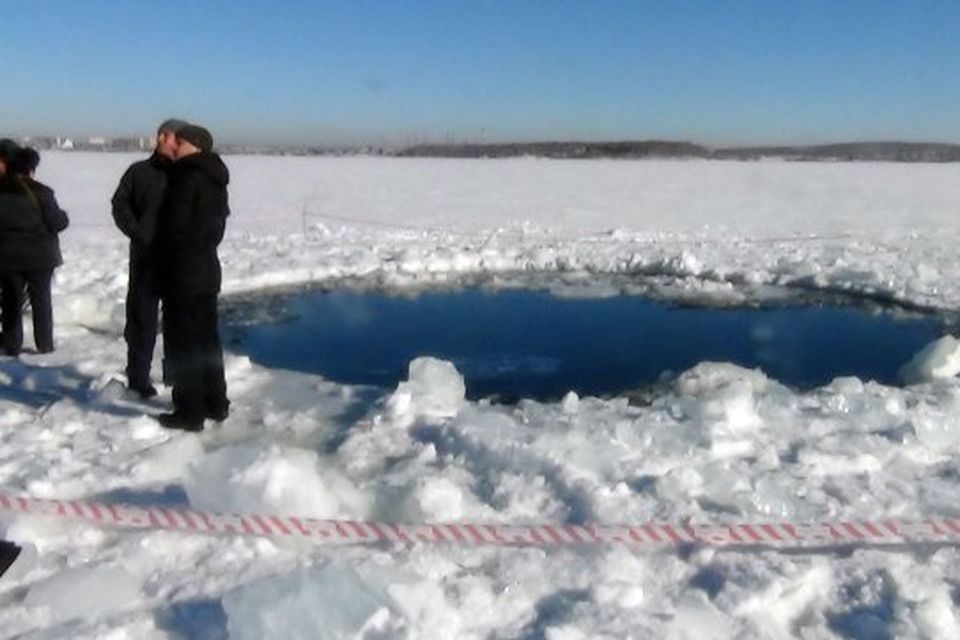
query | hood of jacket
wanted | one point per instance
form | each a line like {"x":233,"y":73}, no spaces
{"x":207,"y":162}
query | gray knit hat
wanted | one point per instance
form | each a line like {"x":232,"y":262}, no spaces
{"x":172,"y":125}
{"x":197,"y":136}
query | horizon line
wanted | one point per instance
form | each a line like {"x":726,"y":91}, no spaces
{"x":95,"y":139}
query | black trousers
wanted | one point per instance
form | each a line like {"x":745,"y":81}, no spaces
{"x":194,"y":355}
{"x":8,"y":553}
{"x":143,"y":313}
{"x":15,"y":288}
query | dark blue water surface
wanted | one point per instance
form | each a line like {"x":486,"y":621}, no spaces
{"x":529,"y":344}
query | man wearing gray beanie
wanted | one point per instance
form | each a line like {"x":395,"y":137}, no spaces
{"x":191,"y":225}
{"x":136,"y":205}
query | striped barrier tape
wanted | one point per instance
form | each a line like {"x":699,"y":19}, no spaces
{"x":773,"y":534}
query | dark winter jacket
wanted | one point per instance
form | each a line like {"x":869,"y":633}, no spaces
{"x":137,"y":202}
{"x":30,"y":220}
{"x":191,"y":225}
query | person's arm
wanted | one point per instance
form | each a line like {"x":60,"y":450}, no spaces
{"x":214,"y":221}
{"x":122,"y":206}
{"x":54,"y":218}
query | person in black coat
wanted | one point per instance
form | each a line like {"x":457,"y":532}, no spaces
{"x":30,"y":220}
{"x":190,"y":227}
{"x":136,"y":205}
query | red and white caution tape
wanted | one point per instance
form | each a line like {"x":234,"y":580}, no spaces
{"x":778,"y":534}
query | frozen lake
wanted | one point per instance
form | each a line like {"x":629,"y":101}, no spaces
{"x":719,"y":444}
{"x":530,"y":344}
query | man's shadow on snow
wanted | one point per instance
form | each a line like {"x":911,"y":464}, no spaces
{"x":40,"y":387}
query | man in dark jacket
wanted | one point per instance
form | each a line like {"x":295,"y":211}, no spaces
{"x":136,"y":205}
{"x":190,"y":226}
{"x":30,"y":219}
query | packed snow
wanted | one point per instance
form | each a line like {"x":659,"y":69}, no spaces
{"x":718,"y":444}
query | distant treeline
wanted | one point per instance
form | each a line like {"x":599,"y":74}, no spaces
{"x":855,"y":151}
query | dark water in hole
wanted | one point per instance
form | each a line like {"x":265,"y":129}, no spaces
{"x":529,"y":344}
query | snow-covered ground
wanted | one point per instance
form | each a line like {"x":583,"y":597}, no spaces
{"x":722,"y":444}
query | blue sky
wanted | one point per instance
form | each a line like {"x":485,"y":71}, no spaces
{"x":712,"y":71}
